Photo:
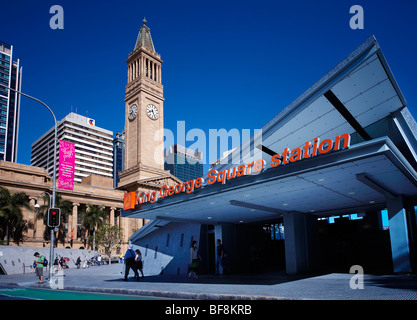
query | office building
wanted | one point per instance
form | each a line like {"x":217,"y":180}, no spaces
{"x":184,"y":163}
{"x":93,"y":148}
{"x":10,"y":76}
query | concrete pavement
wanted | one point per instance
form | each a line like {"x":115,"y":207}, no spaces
{"x":267,"y":286}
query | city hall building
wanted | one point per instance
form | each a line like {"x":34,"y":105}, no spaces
{"x":331,"y":181}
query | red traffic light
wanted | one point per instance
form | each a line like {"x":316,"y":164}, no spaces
{"x":54,"y":217}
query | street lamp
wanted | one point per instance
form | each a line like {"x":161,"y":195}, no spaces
{"x":51,"y":249}
{"x":54,"y":172}
{"x":37,"y":206}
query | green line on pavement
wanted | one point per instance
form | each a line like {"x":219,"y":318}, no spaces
{"x":47,"y":294}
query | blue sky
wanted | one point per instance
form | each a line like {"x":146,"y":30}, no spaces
{"x":227,"y":64}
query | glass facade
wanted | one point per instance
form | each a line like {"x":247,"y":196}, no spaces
{"x":10,"y":76}
{"x":183,"y":163}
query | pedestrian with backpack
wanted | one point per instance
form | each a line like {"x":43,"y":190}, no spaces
{"x":130,"y":263}
{"x":39,"y":262}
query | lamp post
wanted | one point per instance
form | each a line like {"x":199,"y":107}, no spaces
{"x":54,"y":172}
{"x":51,"y":249}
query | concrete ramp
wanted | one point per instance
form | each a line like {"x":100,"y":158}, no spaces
{"x":18,"y":260}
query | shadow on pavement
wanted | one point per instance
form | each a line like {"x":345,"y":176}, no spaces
{"x":269,"y":278}
{"x":406,"y":281}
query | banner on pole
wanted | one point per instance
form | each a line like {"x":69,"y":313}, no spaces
{"x":66,"y":165}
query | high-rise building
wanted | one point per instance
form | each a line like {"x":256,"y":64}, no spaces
{"x":93,"y":147}
{"x":10,"y":76}
{"x":118,"y":156}
{"x":184,"y":163}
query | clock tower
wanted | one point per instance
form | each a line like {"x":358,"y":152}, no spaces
{"x":144,"y":110}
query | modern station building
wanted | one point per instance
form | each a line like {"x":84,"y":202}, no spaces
{"x":337,"y":185}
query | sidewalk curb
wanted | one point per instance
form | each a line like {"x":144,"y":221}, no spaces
{"x":172,"y":295}
{"x":156,"y":293}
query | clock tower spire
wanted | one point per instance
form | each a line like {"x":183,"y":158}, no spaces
{"x":144,"y":125}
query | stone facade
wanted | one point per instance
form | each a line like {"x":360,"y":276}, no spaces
{"x":96,"y":191}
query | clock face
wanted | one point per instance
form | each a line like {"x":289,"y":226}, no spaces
{"x":133,"y":112}
{"x":152,"y":112}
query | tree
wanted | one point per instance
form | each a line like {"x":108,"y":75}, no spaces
{"x":109,"y":238}
{"x":66,"y":210}
{"x":11,"y":210}
{"x":92,"y":218}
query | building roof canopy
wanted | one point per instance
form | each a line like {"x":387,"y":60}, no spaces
{"x":321,"y":186}
{"x":362,"y":90}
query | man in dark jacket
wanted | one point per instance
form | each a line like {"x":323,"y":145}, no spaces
{"x":130,"y":263}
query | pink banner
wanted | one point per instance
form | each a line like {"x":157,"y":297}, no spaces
{"x":66,"y":165}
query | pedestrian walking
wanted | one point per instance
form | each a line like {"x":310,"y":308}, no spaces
{"x":85,"y":265}
{"x":139,"y":261}
{"x":56,"y":264}
{"x":194,"y":260}
{"x":221,"y":254}
{"x":130,"y":263}
{"x":39,"y":266}
{"x":78,"y":263}
{"x":99,"y":259}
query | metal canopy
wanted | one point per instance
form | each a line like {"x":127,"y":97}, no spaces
{"x":327,"y":183}
{"x":358,"y":178}
{"x":362,"y":82}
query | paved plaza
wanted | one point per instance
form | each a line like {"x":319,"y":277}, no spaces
{"x":265,"y":286}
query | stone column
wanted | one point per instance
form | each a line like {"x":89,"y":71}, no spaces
{"x":31,"y":231}
{"x":74,"y":219}
{"x":112,"y":209}
{"x":39,"y":226}
{"x":134,"y":71}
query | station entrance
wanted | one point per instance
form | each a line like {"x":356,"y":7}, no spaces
{"x":340,"y":241}
{"x":348,"y":240}
{"x":249,"y":248}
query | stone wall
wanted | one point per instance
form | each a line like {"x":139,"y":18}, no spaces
{"x":18,"y":260}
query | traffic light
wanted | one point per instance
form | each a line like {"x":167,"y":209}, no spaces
{"x":54,"y":217}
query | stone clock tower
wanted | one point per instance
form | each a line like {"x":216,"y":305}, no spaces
{"x":144,"y":110}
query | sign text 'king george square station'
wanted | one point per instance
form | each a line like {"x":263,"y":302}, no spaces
{"x":309,"y":150}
